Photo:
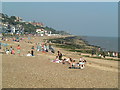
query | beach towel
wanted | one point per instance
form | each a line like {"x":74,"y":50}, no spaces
{"x":74,"y":67}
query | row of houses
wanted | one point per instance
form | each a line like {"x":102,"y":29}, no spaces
{"x":19,"y":29}
{"x":12,"y":29}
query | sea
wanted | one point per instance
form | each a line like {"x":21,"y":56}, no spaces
{"x":106,"y":43}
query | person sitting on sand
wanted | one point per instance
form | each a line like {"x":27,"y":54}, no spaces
{"x":38,"y":47}
{"x":32,"y":48}
{"x":68,"y":60}
{"x":52,"y":49}
{"x":72,"y":62}
{"x":7,"y":51}
{"x":60,"y":55}
{"x":63,"y":61}
{"x":82,"y":59}
{"x":13,"y":51}
{"x":29,"y":54}
{"x":82,"y":64}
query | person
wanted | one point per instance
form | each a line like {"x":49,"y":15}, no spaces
{"x":42,"y":45}
{"x":13,"y":51}
{"x":103,"y":54}
{"x":0,"y":46}
{"x":51,"y":48}
{"x":32,"y":48}
{"x":18,"y":50}
{"x":108,"y":53}
{"x":113,"y":54}
{"x":60,"y":55}
{"x":82,"y":59}
{"x":32,"y":52}
{"x":116,"y":54}
{"x":7,"y":51}
{"x":38,"y":47}
{"x":73,"y":63}
{"x":92,"y":52}
{"x":45,"y":48}
{"x":82,"y":64}
{"x":63,"y":61}
{"x":29,"y":54}
{"x":68,"y":60}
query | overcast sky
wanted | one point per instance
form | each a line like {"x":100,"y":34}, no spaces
{"x":78,"y":18}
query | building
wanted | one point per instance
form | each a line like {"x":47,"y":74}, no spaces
{"x":40,"y":31}
{"x":12,"y":29}
{"x":43,"y":32}
{"x":37,"y":24}
{"x":19,"y":19}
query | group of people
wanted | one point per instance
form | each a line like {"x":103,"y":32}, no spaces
{"x":74,"y":64}
{"x":45,"y":47}
{"x":11,"y":50}
{"x":103,"y":54}
{"x":40,"y":46}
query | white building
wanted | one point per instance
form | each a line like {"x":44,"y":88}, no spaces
{"x":12,"y":29}
{"x":40,"y":31}
{"x":43,"y":32}
{"x":50,"y":33}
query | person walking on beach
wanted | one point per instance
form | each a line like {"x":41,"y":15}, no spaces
{"x":0,"y":46}
{"x":18,"y":50}
{"x":11,"y":49}
{"x":32,"y":51}
{"x":32,"y":48}
{"x":51,"y":48}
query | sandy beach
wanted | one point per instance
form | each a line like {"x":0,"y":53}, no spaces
{"x":39,"y":72}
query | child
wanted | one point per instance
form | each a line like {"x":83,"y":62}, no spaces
{"x":7,"y":51}
{"x":29,"y":54}
{"x":13,"y":51}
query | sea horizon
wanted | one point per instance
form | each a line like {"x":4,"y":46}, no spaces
{"x":107,"y":43}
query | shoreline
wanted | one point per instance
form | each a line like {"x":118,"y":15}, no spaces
{"x":78,"y":50}
{"x":86,"y":38}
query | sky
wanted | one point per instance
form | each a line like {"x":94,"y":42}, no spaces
{"x":78,"y":18}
